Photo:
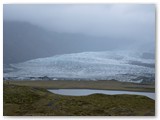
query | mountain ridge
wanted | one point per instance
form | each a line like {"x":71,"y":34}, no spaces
{"x":24,"y":41}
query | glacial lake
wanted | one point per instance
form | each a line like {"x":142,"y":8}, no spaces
{"x":84,"y":92}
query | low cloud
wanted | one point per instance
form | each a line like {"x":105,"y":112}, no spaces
{"x":131,"y":22}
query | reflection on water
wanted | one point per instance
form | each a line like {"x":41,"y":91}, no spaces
{"x":83,"y":92}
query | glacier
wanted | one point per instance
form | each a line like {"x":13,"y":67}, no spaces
{"x":107,"y":65}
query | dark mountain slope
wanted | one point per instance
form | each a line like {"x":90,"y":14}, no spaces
{"x":24,"y":41}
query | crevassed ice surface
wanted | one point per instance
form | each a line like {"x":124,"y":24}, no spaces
{"x":87,"y":65}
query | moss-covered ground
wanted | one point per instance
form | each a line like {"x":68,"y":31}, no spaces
{"x":34,"y":101}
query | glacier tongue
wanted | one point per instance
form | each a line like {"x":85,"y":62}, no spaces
{"x":87,"y":65}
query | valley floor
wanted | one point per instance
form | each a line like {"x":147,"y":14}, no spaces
{"x":83,"y":84}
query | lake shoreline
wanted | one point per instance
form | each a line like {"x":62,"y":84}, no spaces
{"x":102,"y":89}
{"x":85,"y":92}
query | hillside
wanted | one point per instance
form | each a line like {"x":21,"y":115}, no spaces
{"x":23,"y":38}
{"x":32,"y":101}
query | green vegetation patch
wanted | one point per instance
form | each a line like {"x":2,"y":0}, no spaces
{"x":23,"y":100}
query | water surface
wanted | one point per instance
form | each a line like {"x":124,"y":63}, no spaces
{"x":84,"y":92}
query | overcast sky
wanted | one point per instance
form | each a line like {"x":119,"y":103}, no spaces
{"x":130,"y":21}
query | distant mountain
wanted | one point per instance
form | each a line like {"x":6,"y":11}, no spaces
{"x":24,"y":41}
{"x":117,"y":65}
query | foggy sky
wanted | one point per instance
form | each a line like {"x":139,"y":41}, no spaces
{"x":115,"y":21}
